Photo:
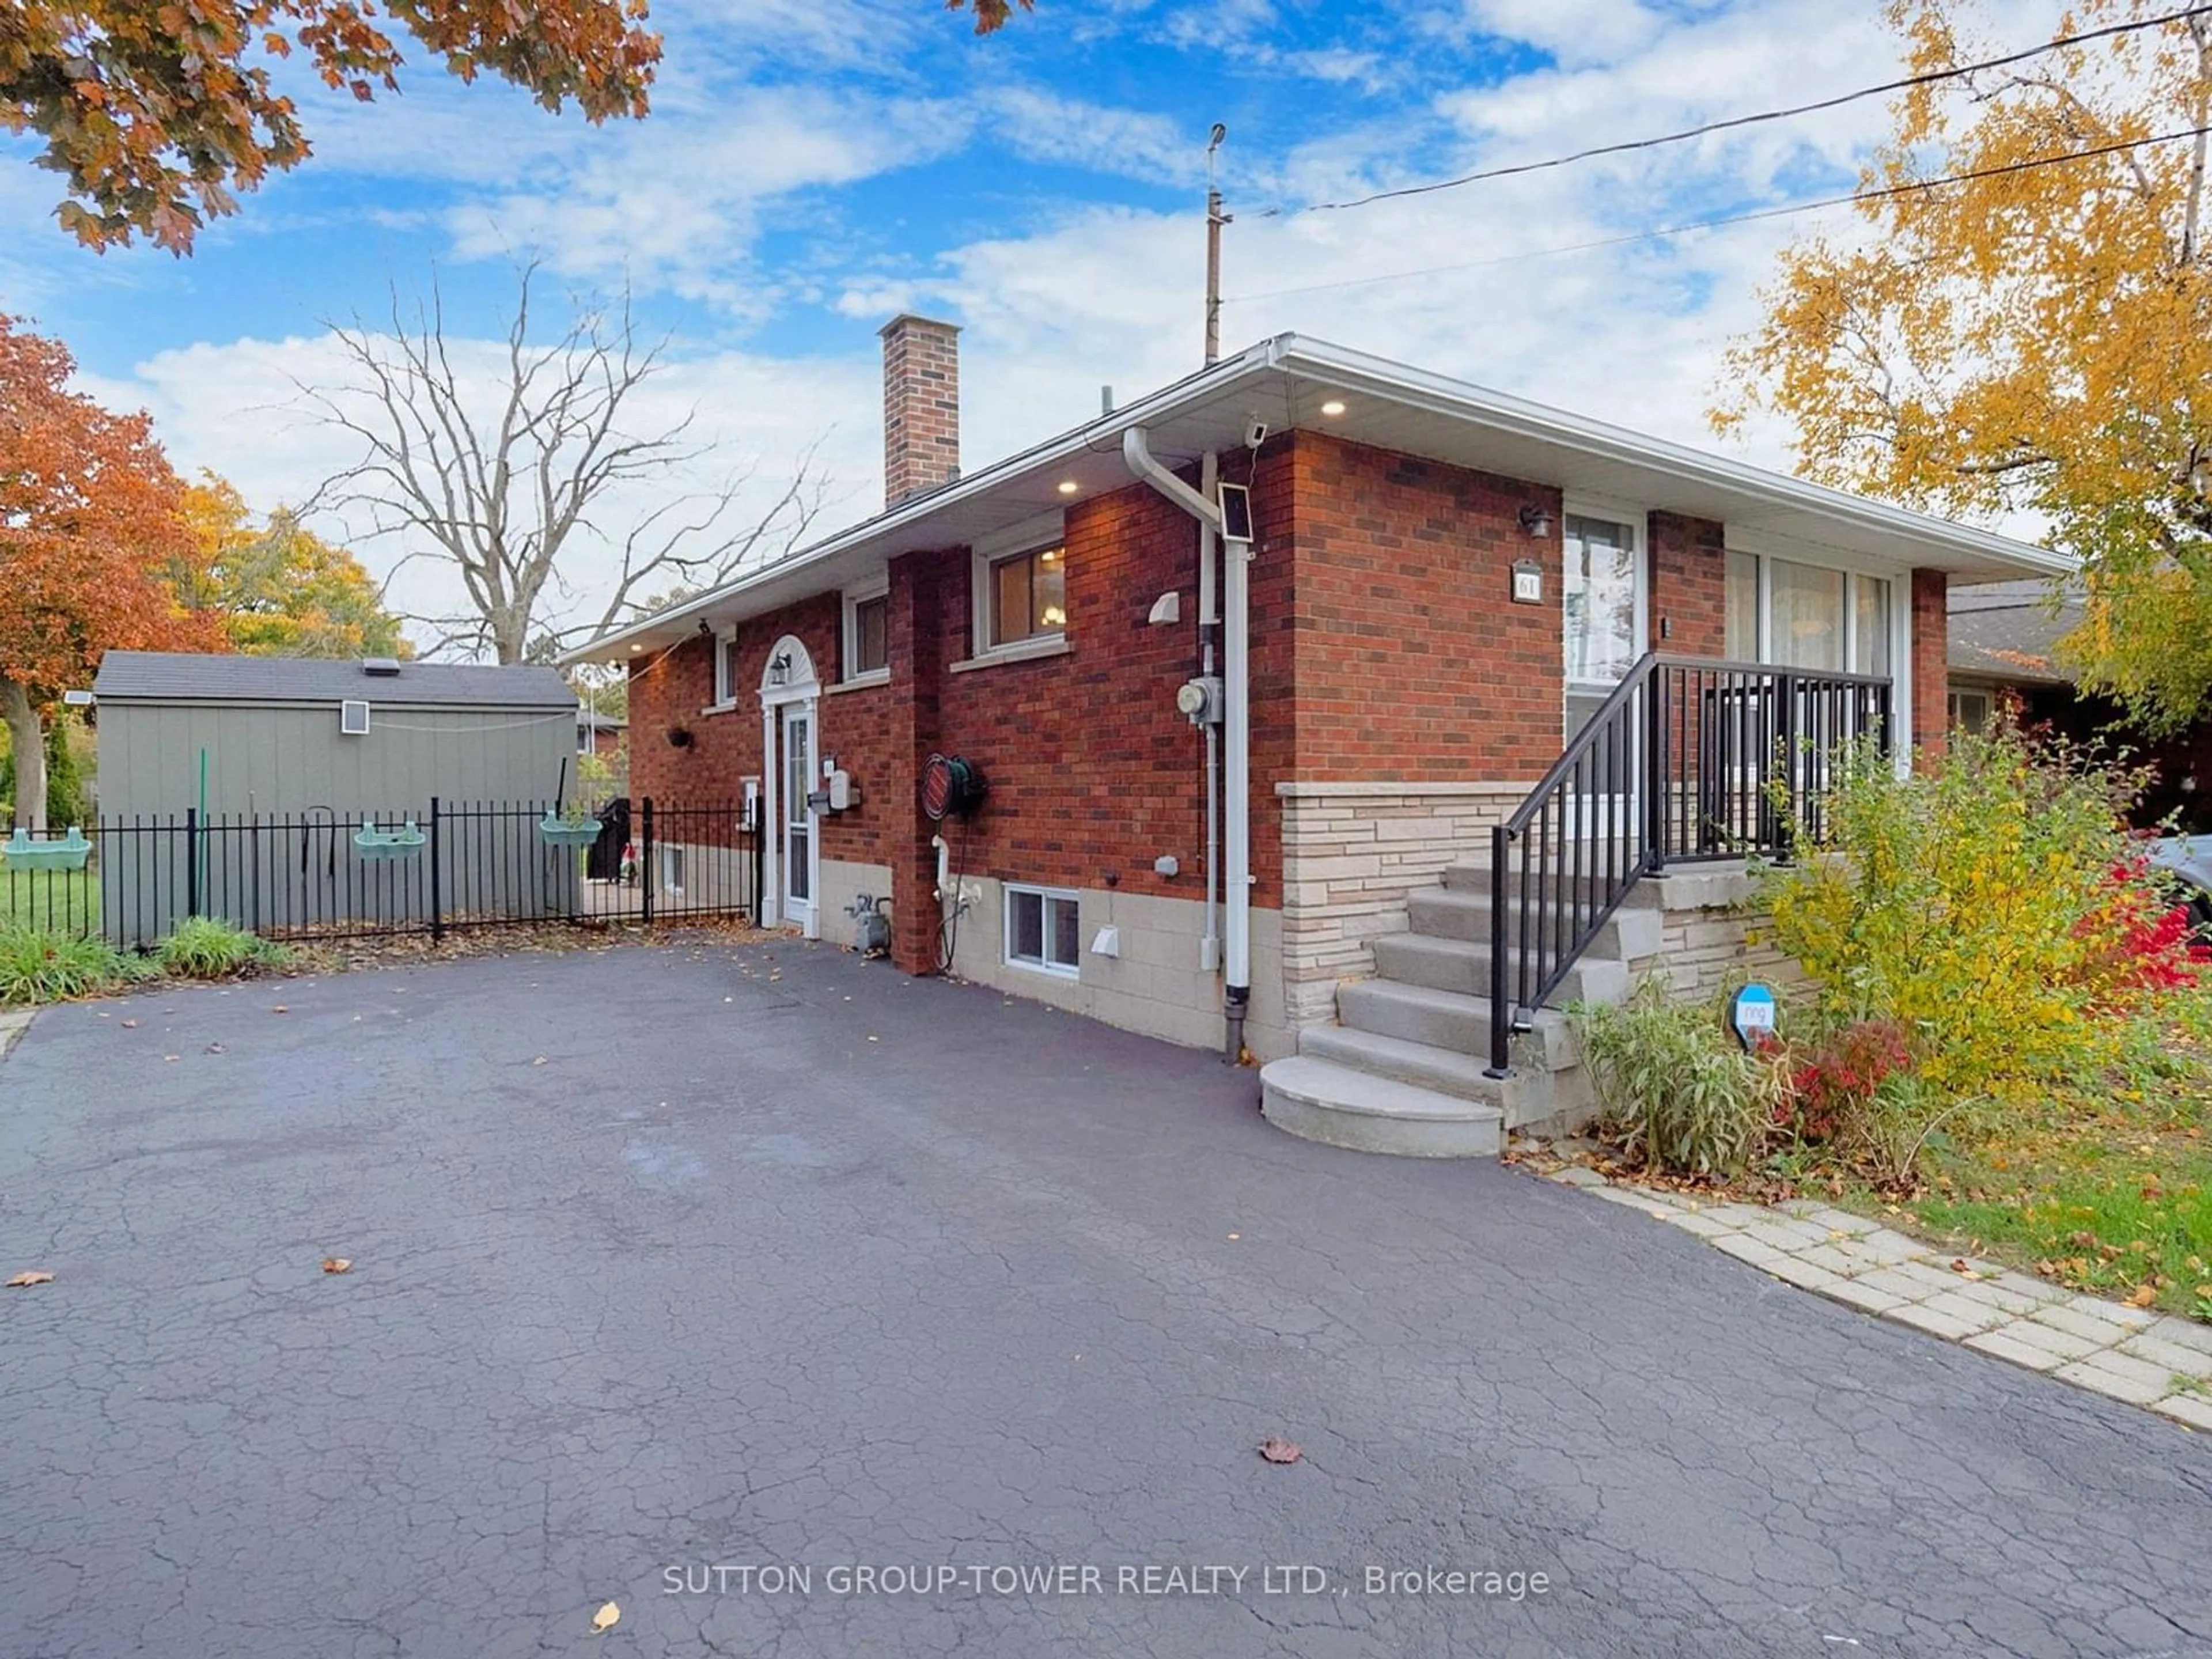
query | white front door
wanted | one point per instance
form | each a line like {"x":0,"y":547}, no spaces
{"x":797,"y":848}
{"x":1601,"y":605}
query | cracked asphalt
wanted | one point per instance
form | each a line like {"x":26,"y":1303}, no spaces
{"x":780,"y":1260}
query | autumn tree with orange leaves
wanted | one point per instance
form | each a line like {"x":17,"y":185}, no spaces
{"x":158,"y":112}
{"x":2024,"y":322}
{"x":91,"y":530}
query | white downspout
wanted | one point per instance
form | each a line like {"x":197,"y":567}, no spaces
{"x":1209,"y":619}
{"x":1236,"y":783}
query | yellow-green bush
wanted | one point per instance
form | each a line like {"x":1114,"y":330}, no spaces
{"x":1979,"y":905}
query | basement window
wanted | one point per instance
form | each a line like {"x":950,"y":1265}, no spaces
{"x":1044,"y":931}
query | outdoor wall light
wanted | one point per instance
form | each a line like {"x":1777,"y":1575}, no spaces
{"x":1068,"y":486}
{"x":779,"y":669}
{"x":1536,"y":522}
{"x":1332,"y":407}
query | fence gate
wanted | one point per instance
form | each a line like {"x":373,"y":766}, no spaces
{"x":654,"y":863}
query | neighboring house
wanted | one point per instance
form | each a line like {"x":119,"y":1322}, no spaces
{"x":317,"y":747}
{"x":2003,"y":646}
{"x":598,"y":734}
{"x":1444,"y":591}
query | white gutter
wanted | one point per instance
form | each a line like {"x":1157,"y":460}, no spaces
{"x":1340,"y":366}
{"x":1084,"y":441}
{"x":1236,"y":781}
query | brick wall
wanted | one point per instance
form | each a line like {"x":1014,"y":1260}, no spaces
{"x":1689,"y":585}
{"x":921,"y":406}
{"x":1412,"y":661}
{"x":1093,"y":773}
{"x":1931,"y":650}
{"x":677,"y":690}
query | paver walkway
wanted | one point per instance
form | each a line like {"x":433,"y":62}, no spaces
{"x":2146,"y":1358}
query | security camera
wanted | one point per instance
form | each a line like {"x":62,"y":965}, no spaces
{"x":1255,"y":435}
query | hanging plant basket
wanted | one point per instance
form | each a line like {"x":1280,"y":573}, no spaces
{"x":567,"y":832}
{"x":69,"y":852}
{"x":381,"y":846}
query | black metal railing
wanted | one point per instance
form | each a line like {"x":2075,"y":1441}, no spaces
{"x":305,"y":876}
{"x":1688,"y":759}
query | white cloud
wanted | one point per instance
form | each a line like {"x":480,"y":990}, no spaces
{"x":1572,"y":31}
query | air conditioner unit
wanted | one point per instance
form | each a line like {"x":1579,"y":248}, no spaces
{"x":353,"y":717}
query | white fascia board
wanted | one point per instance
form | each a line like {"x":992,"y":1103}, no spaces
{"x":1357,"y":371}
{"x":1102,"y":436}
{"x":1341,"y":368}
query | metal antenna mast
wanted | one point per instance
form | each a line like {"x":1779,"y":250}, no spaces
{"x":1215,"y":218}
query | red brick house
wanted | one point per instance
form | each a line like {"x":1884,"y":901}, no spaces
{"x":1247,"y":749}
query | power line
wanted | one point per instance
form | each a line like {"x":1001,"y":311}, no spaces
{"x":1783,"y":211}
{"x":1625,"y":145}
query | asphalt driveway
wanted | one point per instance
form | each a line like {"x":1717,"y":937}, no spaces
{"x":677,"y":1259}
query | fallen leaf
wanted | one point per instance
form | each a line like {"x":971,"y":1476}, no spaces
{"x":605,"y":1618}
{"x":1960,"y":1268}
{"x":23,"y":1282}
{"x":130,"y":1024}
{"x":280,"y":1009}
{"x":2144,"y":1295}
{"x":540,"y":1061}
{"x":1276,"y":1449}
{"x":215,"y":1047}
{"x":1233,"y":1237}
{"x":337,"y":1264}
{"x":169,"y":1057}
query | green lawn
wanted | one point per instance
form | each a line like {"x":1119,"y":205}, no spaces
{"x":67,"y":901}
{"x":2110,"y":1195}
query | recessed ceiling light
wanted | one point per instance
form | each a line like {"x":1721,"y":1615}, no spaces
{"x":1068,"y":486}
{"x":637,"y":647}
{"x":1334,"y":406}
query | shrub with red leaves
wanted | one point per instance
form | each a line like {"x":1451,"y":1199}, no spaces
{"x":2145,"y":945}
{"x":1837,"y":1074}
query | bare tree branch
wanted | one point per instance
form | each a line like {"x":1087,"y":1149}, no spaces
{"x":505,"y":489}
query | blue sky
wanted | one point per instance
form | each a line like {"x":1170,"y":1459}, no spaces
{"x":801,"y":180}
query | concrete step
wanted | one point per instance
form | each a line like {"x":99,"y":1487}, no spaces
{"x":1457,"y":913}
{"x":1474,"y":878}
{"x":1450,"y":1019}
{"x":1454,"y":964}
{"x":1320,"y":1100}
{"x":1447,"y":1070}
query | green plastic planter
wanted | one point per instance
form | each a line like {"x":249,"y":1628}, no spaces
{"x":70,"y":853}
{"x":567,"y":832}
{"x":381,"y":846}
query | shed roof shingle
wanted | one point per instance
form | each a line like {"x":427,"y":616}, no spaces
{"x":186,"y":677}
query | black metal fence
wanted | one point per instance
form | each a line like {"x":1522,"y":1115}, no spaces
{"x":446,"y":865}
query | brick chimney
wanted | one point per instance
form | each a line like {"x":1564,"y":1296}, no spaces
{"x":921,"y":406}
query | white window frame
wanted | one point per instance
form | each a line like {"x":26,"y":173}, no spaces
{"x":856,"y":596}
{"x":1032,"y":535}
{"x":725,"y":671}
{"x":1046,"y":896}
{"x":1637,"y":521}
{"x":1764,"y":547}
{"x":1955,"y":696}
